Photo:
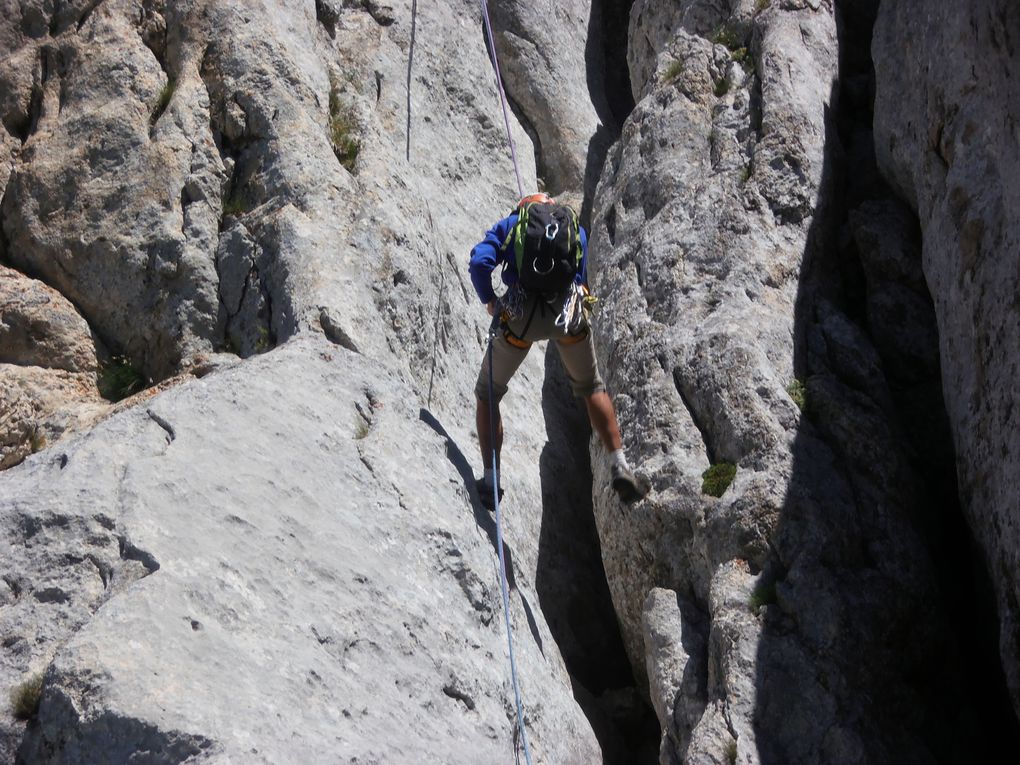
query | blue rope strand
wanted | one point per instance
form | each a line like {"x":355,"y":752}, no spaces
{"x":499,"y":544}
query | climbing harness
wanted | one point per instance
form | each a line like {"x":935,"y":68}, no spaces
{"x":493,"y":328}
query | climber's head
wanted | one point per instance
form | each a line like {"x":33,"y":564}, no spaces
{"x":540,"y":198}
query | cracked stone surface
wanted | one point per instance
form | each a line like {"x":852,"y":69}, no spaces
{"x":949,"y":148}
{"x":275,"y":554}
{"x":329,"y":576}
{"x":754,"y":617}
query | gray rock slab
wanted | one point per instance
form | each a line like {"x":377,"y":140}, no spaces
{"x":276,"y":562}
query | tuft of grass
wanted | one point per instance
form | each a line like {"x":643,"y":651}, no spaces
{"x":729,"y":37}
{"x":764,"y":594}
{"x":673,"y":71}
{"x":717,"y":478}
{"x":25,"y":697}
{"x":743,"y":57}
{"x":342,"y":128}
{"x":37,"y":440}
{"x":361,"y":428}
{"x":165,"y":96}
{"x":798,"y":392}
{"x":118,"y":379}
{"x":265,"y":340}
{"x":745,"y":174}
{"x":731,"y":752}
{"x":236,"y":204}
{"x":761,"y":5}
{"x":722,"y":87}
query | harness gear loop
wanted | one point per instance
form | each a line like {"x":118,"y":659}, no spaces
{"x":516,"y":342}
{"x":573,"y":311}
{"x":572,"y":339}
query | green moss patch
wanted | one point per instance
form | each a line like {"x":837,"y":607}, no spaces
{"x":717,"y":479}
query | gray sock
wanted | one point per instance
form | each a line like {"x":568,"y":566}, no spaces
{"x":618,"y":459}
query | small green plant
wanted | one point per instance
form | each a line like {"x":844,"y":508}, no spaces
{"x":361,"y":428}
{"x":761,"y":5}
{"x":722,"y":87}
{"x":764,"y":594}
{"x":798,"y":393}
{"x":729,"y":37}
{"x":37,"y":440}
{"x":342,"y":128}
{"x":743,"y":57}
{"x":165,"y":96}
{"x":717,"y":478}
{"x":236,"y":204}
{"x":673,"y":71}
{"x":745,"y":174}
{"x":731,"y":752}
{"x":264,"y":341}
{"x":118,"y":379}
{"x":25,"y":697}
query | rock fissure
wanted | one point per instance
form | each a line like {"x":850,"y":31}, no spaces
{"x":680,"y":383}
{"x":166,"y":426}
{"x":90,"y":8}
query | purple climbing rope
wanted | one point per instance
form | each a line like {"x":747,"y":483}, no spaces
{"x":502,"y":97}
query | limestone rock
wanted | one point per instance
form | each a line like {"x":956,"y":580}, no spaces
{"x":542,"y":53}
{"x":48,"y":368}
{"x":713,"y":224}
{"x":119,"y":218}
{"x":945,"y":140}
{"x":39,"y":327}
{"x":382,"y":615}
{"x":322,"y":586}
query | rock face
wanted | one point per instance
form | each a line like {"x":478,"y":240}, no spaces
{"x":246,"y":179}
{"x":542,"y":52}
{"x":332,"y":592}
{"x":789,"y":619}
{"x":946,"y":139}
{"x":48,"y":367}
{"x":278,"y":553}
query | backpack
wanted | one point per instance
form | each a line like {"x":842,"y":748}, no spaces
{"x":547,"y":246}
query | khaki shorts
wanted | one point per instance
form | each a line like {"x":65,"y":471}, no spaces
{"x":538,"y":322}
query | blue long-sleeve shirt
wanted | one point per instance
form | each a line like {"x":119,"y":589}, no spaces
{"x":489,"y":253}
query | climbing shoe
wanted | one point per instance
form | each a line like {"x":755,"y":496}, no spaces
{"x":626,"y":484}
{"x":485,"y":494}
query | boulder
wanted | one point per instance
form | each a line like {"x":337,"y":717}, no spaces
{"x":48,"y":368}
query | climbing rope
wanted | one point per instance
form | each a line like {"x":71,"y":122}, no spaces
{"x":502,"y":97}
{"x":493,"y":329}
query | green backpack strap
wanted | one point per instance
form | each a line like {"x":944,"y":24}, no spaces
{"x":576,"y":232}
{"x":519,"y":233}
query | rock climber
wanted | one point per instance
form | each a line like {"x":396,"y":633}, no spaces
{"x":527,"y":312}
